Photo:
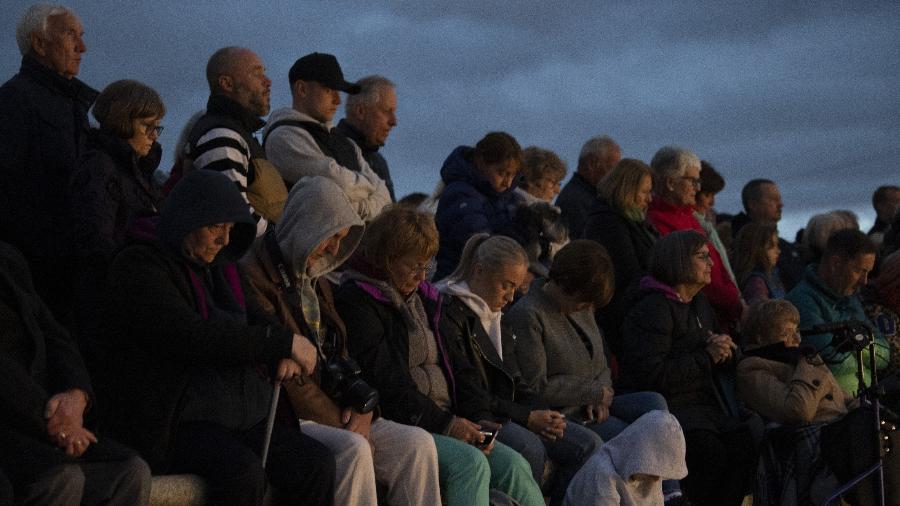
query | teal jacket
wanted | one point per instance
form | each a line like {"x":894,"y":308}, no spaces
{"x":818,"y":304}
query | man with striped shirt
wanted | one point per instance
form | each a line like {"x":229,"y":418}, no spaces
{"x":222,"y":139}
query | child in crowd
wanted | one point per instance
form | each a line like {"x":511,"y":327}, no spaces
{"x":755,"y":255}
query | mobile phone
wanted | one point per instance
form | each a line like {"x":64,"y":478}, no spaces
{"x":489,"y":437}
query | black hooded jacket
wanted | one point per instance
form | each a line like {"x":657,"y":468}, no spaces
{"x":160,"y":321}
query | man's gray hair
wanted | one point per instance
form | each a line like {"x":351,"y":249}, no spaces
{"x":596,"y":148}
{"x":669,"y":162}
{"x":35,"y":20}
{"x":370,"y":91}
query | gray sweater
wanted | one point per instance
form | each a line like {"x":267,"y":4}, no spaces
{"x":551,"y":352}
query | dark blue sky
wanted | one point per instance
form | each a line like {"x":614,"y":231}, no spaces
{"x":807,"y":94}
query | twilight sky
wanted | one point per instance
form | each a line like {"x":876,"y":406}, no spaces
{"x":805,"y":93}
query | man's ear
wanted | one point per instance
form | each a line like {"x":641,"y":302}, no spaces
{"x":298,"y":88}
{"x":358,"y":110}
{"x":226,"y":83}
{"x":38,"y":44}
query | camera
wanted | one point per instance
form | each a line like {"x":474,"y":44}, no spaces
{"x":341,"y":381}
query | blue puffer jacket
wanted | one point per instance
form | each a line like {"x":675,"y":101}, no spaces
{"x":818,"y":304}
{"x":468,"y":206}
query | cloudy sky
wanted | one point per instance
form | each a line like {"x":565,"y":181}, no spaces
{"x":805,"y":93}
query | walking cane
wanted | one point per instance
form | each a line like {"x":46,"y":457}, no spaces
{"x":270,"y":423}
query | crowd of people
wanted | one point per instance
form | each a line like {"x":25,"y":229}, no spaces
{"x":269,"y":317}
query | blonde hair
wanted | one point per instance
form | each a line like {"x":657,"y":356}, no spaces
{"x":539,"y":164}
{"x":493,"y":252}
{"x":620,"y":186}
{"x":397,"y":232}
{"x":764,"y":318}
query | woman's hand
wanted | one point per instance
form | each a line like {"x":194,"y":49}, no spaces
{"x":720,"y":347}
{"x":547,"y":423}
{"x":303,"y":352}
{"x":74,"y":440}
{"x":357,"y":422}
{"x":65,"y":422}
{"x":468,"y":432}
{"x":596,"y":413}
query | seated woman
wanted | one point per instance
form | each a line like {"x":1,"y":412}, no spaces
{"x":485,"y":281}
{"x":186,"y":387}
{"x":479,"y":195}
{"x":628,"y":469}
{"x":755,"y":256}
{"x":791,"y":385}
{"x":559,"y":348}
{"x":671,"y":346}
{"x":392,"y":318}
{"x":285,"y":273}
{"x":618,"y":221}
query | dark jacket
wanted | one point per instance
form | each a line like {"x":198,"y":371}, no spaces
{"x":375,"y":160}
{"x":42,"y":137}
{"x":38,"y":359}
{"x":628,"y":243}
{"x":489,"y":387}
{"x":665,"y":351}
{"x":158,"y":328}
{"x":575,"y":201}
{"x":468,"y":205}
{"x":790,"y":264}
{"x":379,"y":341}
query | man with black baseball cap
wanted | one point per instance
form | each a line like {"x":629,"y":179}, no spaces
{"x":300,"y":140}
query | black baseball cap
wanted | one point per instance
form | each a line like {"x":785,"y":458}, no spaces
{"x":322,"y":68}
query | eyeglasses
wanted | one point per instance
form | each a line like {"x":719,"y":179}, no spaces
{"x":151,"y":129}
{"x":695,"y":181}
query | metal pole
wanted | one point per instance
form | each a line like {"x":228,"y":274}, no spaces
{"x":270,"y":423}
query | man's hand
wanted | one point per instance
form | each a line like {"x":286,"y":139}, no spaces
{"x":65,"y":422}
{"x":357,"y":422}
{"x":287,"y":370}
{"x":547,"y":423}
{"x":304,"y":353}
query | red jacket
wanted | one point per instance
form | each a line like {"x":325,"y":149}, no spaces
{"x":721,"y":292}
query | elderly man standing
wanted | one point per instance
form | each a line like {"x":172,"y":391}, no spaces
{"x":829,"y":293}
{"x":762,"y":203}
{"x":300,"y":140}
{"x":42,"y":135}
{"x":598,"y":156}
{"x":222,"y":139}
{"x":369,"y":117}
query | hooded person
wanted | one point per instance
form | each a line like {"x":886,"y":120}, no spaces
{"x":285,"y":273}
{"x":628,"y":470}
{"x":185,"y":380}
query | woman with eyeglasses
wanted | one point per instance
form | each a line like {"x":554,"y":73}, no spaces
{"x":791,"y":385}
{"x":676,"y":182}
{"x":672,"y":345}
{"x":392,"y":317}
{"x":112,"y":185}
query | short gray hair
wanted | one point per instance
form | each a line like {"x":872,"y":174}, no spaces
{"x":35,"y":20}
{"x":671,"y":161}
{"x":596,"y":147}
{"x":221,"y":63}
{"x":370,"y":91}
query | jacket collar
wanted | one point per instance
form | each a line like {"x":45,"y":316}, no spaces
{"x":356,"y":136}
{"x":811,"y":275}
{"x":72,"y":88}
{"x":220,"y":104}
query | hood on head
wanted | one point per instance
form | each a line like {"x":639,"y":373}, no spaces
{"x":653,"y":444}
{"x":316,"y":209}
{"x":201,"y":198}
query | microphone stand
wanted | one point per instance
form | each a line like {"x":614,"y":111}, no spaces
{"x":871,"y":397}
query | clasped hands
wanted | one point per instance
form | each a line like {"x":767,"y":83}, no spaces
{"x":720,"y":347}
{"x":64,"y":413}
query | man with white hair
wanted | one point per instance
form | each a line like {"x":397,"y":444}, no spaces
{"x":42,"y":135}
{"x":598,"y":156}
{"x":368,"y":119}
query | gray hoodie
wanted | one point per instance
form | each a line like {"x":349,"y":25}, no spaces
{"x":297,"y":156}
{"x":316,"y":209}
{"x":652,"y":445}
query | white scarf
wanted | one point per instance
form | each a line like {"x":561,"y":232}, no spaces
{"x":490,"y":320}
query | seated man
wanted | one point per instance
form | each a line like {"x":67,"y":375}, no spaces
{"x":301,"y":142}
{"x":284,"y":273}
{"x":46,"y":452}
{"x":828,"y":293}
